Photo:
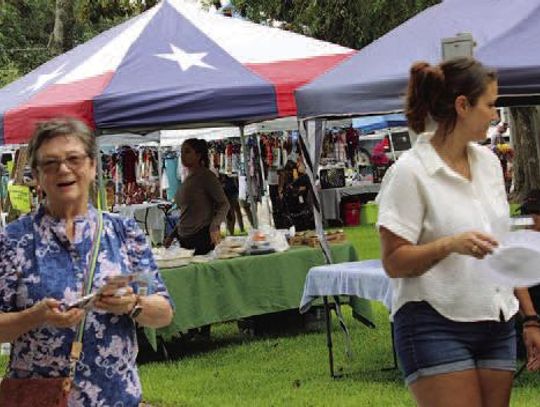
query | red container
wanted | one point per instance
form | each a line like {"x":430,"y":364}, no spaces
{"x":351,"y":213}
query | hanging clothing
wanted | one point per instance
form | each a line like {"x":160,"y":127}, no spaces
{"x":171,"y":171}
{"x":129,"y":163}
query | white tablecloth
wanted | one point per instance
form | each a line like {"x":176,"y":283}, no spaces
{"x":365,"y":279}
{"x":156,"y":217}
{"x":331,"y":198}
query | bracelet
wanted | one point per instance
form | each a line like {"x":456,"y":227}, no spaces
{"x":530,"y":318}
{"x":531,"y":326}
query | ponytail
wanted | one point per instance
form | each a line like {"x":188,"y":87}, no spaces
{"x":425,"y":87}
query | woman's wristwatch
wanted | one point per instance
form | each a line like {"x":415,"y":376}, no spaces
{"x":136,"y":310}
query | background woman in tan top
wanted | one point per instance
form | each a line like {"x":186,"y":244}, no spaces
{"x":201,"y":201}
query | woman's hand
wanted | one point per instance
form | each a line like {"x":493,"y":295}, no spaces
{"x":476,"y":244}
{"x":168,"y":241}
{"x":48,"y":310}
{"x":215,"y":237}
{"x":531,"y":337}
{"x":109,"y":300}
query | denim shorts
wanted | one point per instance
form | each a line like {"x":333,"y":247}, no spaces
{"x":429,"y":344}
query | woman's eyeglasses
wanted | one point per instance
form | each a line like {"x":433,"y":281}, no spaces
{"x":52,"y":165}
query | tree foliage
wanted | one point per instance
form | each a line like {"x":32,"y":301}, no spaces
{"x":26,"y":29}
{"x":25,"y":26}
{"x":95,"y":16}
{"x":352,"y":24}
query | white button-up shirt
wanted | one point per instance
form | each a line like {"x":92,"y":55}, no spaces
{"x":422,"y":199}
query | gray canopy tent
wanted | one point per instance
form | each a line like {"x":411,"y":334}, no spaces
{"x":374,"y":80}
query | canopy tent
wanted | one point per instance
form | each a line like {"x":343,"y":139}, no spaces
{"x":167,"y":138}
{"x":370,"y":123}
{"x":374,"y":80}
{"x":170,"y":138}
{"x":170,"y":67}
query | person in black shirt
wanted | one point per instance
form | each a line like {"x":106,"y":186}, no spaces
{"x":298,"y":201}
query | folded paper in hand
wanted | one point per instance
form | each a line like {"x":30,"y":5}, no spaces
{"x":516,"y":261}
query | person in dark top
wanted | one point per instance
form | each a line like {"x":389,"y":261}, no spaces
{"x":201,"y":200}
{"x":298,"y":201}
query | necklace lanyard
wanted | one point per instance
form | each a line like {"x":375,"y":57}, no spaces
{"x":91,"y":269}
{"x":76,"y":346}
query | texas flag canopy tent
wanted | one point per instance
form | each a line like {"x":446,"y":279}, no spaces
{"x":172,"y":66}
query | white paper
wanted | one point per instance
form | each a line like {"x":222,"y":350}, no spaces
{"x":516,"y":261}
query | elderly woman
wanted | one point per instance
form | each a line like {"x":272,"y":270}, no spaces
{"x":44,"y":261}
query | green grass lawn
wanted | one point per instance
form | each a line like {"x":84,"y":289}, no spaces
{"x":281,"y":371}
{"x":292,"y":370}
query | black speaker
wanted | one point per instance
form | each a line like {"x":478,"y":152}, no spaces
{"x":332,"y":178}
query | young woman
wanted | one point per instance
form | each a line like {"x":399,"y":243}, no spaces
{"x":442,"y":209}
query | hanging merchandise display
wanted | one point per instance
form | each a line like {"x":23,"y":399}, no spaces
{"x":133,"y":173}
{"x":282,"y":169}
{"x":170,"y":164}
{"x":225,"y":155}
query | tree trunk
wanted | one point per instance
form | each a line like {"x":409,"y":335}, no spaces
{"x":62,"y":36}
{"x":525,"y":127}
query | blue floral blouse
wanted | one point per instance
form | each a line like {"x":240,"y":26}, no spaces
{"x":37,"y":261}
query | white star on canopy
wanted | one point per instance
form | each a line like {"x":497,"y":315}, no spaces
{"x":186,"y":60}
{"x":44,"y":79}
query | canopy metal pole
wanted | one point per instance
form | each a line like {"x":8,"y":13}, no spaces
{"x":308,"y":135}
{"x":160,"y":170}
{"x":249,"y":178}
{"x":266,"y":189}
{"x":117,"y":191}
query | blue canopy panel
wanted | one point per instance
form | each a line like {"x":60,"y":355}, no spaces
{"x":374,"y":80}
{"x":183,"y":78}
{"x":516,"y":55}
{"x":371,"y":123}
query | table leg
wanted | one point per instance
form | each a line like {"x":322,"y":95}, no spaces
{"x":343,"y":326}
{"x":520,"y":370}
{"x":146,"y":221}
{"x":393,"y":345}
{"x":395,"y":365}
{"x":328,"y":319}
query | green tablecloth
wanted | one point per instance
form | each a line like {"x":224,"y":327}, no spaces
{"x":225,"y":290}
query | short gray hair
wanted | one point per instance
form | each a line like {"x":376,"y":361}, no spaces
{"x":67,"y":126}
